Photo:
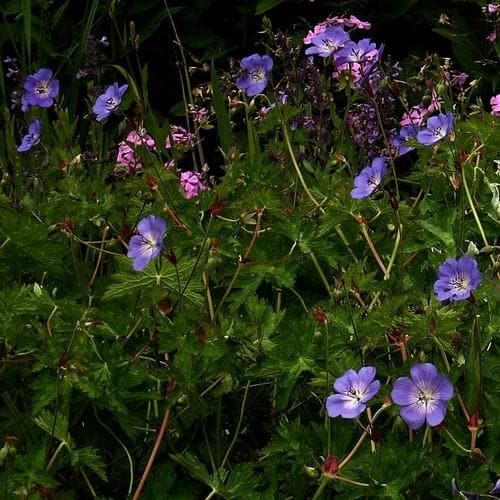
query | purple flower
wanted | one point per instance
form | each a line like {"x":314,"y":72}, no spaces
{"x":255,"y":74}
{"x":32,"y":138}
{"x":496,"y":488}
{"x":399,"y":141}
{"x":108,"y":103}
{"x":369,"y":179}
{"x":40,"y":89}
{"x":495,"y":105}
{"x":360,"y":52}
{"x":328,"y":42}
{"x":191,"y":184}
{"x":354,"y":391}
{"x":457,"y":279}
{"x":147,"y":245}
{"x":438,"y":127}
{"x":423,"y":396}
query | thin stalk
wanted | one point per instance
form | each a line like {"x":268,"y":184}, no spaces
{"x":373,"y":249}
{"x":350,"y":481}
{"x":154,"y":452}
{"x":394,"y":253}
{"x":58,"y":450}
{"x":448,"y":433}
{"x":321,"y":487}
{"x":238,"y":426}
{"x":321,"y":273}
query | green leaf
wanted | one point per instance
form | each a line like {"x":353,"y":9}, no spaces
{"x":265,"y":5}
{"x":89,"y":457}
{"x":129,"y":281}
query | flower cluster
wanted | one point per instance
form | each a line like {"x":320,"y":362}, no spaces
{"x":180,"y":138}
{"x":422,"y":396}
{"x":127,"y":156}
{"x":191,"y":184}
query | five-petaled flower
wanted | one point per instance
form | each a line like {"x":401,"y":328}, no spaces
{"x":328,"y":42}
{"x":369,"y":179}
{"x":255,"y":74}
{"x":422,"y":397}
{"x":40,"y":89}
{"x":354,"y":391}
{"x":147,"y":244}
{"x":438,"y":127}
{"x":107,"y":103}
{"x":457,"y":279}
{"x":495,"y":105}
{"x":357,"y":52}
{"x":399,"y":142}
{"x":32,"y":138}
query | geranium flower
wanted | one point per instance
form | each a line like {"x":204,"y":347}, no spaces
{"x":422,"y":397}
{"x":495,"y":105}
{"x":147,"y":244}
{"x":318,"y":29}
{"x":191,"y":184}
{"x":399,"y":141}
{"x":357,"y":52}
{"x":438,"y":127}
{"x":328,"y":42}
{"x":255,"y":74}
{"x":369,"y":179}
{"x":354,"y":391}
{"x":457,"y":279}
{"x":107,"y":103}
{"x":32,"y":138}
{"x":40,"y":89}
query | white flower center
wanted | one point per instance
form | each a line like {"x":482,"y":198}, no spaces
{"x":460,"y":283}
{"x":110,"y":104}
{"x":354,"y":393}
{"x":257,"y":75}
{"x":42,"y":89}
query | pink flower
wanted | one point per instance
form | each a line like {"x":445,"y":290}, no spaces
{"x":191,"y":183}
{"x":169,"y":164}
{"x":180,"y":137}
{"x":495,"y":105}
{"x":492,"y":37}
{"x":126,"y":157}
{"x":415,"y":117}
{"x":354,"y":22}
{"x":493,"y":8}
{"x":141,"y":138}
{"x":318,"y":29}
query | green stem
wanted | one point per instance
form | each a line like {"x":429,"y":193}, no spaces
{"x":238,"y":427}
{"x":473,"y":208}
{"x":321,"y":487}
{"x":457,"y":443}
{"x":394,"y":253}
{"x":321,"y":273}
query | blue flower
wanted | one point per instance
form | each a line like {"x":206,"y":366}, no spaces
{"x":147,"y":244}
{"x":328,"y":42}
{"x":369,"y":179}
{"x":422,"y":397}
{"x":255,"y":74}
{"x":354,"y":391}
{"x":399,"y":141}
{"x":107,"y":103}
{"x":360,"y":52}
{"x":40,"y":89}
{"x":32,"y":138}
{"x":438,"y":127}
{"x":457,"y":279}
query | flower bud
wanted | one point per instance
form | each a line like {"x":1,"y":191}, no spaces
{"x":330,"y":466}
{"x":475,"y":422}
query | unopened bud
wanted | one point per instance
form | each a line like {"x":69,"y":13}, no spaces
{"x":330,"y":466}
